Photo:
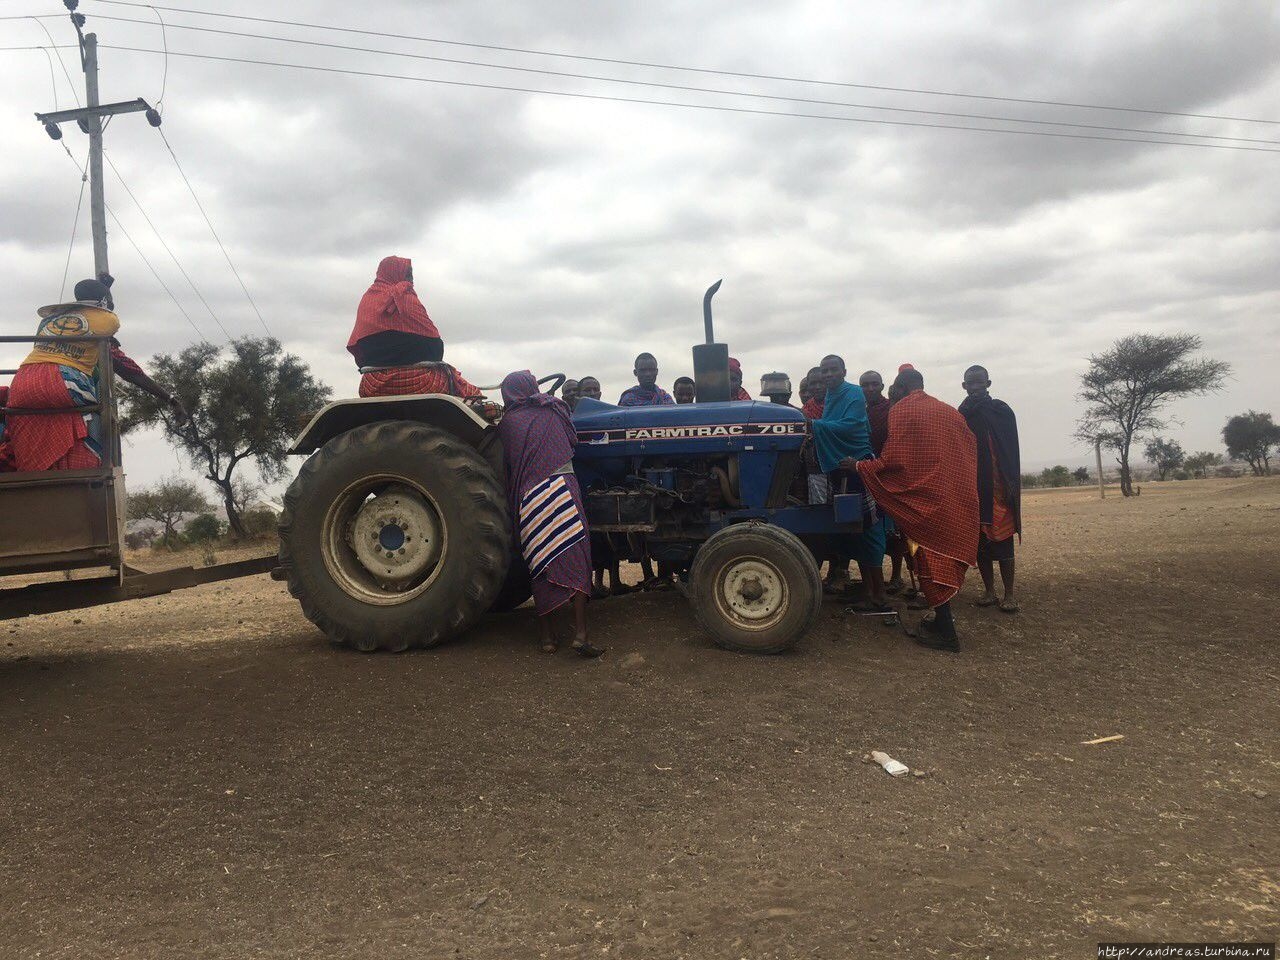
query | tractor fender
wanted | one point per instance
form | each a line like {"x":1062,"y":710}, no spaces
{"x":436,"y":409}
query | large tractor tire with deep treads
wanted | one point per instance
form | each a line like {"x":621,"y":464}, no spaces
{"x":395,"y":535}
{"x":756,"y":588}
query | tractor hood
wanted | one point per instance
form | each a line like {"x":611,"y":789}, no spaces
{"x":609,"y":431}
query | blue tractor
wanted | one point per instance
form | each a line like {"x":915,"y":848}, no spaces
{"x":396,"y":532}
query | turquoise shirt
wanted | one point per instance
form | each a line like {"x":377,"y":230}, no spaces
{"x":843,"y":431}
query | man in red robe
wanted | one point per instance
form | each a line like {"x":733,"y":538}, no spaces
{"x":926,"y":479}
{"x":396,"y":345}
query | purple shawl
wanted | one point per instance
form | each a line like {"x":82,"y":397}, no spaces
{"x":537,"y":434}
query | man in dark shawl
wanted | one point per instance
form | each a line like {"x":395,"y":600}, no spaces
{"x":395,"y":343}
{"x":872,"y":385}
{"x":841,"y":437}
{"x":646,"y":392}
{"x":999,"y":484}
{"x":736,"y":389}
{"x":538,"y":440}
{"x":925,"y":478}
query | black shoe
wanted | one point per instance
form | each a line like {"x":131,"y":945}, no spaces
{"x":929,"y":636}
{"x":587,"y":649}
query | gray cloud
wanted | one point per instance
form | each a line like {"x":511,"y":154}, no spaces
{"x":566,"y":234}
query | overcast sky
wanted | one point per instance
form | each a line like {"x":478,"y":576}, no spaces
{"x":565,"y":234}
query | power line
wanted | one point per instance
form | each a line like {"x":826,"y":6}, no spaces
{"x":698,"y":106}
{"x":719,"y":91}
{"x":167,"y":249}
{"x":209,"y":222}
{"x":66,"y":268}
{"x":62,"y":63}
{"x":688,"y":69}
{"x":142,"y":256}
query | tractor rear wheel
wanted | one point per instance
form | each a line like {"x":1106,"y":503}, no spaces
{"x":756,"y":588}
{"x":395,"y":535}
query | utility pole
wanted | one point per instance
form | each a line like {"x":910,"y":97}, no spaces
{"x":97,"y":200}
{"x":89,"y":119}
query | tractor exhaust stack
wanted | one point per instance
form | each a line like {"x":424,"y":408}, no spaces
{"x":711,"y":359}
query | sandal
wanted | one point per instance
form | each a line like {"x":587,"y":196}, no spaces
{"x":550,"y":648}
{"x":985,"y":601}
{"x":585,"y":648}
{"x":894,"y":587}
{"x":1009,"y":605}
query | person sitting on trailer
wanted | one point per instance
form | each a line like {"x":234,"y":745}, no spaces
{"x":646,"y":392}
{"x":926,"y":479}
{"x":56,"y":375}
{"x":736,"y":390}
{"x":397,"y":346}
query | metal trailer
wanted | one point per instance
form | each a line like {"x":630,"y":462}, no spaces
{"x":64,"y":520}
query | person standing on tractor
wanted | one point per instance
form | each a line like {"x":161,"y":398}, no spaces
{"x":538,"y":440}
{"x":56,"y":375}
{"x":841,"y":437}
{"x":736,"y":390}
{"x":646,"y":392}
{"x":926,"y":479}
{"x":397,"y":346}
{"x":999,"y":485}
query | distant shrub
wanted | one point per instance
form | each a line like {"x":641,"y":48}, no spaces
{"x":141,"y":538}
{"x":260,"y":522}
{"x":204,"y":528}
{"x":1030,"y":480}
{"x":1057,"y":476}
{"x":1181,"y":475}
{"x":1227,"y":471}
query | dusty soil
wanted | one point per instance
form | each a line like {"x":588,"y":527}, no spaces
{"x":202,"y":775}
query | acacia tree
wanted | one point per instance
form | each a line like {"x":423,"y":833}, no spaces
{"x":1128,"y":386}
{"x":1081,"y":474}
{"x":1250,"y":437}
{"x":1199,"y":463}
{"x":1165,"y":455}
{"x":166,"y":503}
{"x":243,"y":406}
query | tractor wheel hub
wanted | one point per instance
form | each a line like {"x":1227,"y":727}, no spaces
{"x":395,"y":536}
{"x":753,"y":590}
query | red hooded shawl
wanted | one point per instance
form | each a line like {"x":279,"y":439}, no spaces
{"x":926,"y":479}
{"x":391,"y":304}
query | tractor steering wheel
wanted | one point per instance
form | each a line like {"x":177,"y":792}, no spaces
{"x":559,"y":379}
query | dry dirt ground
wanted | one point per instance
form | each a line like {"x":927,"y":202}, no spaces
{"x":202,"y":775}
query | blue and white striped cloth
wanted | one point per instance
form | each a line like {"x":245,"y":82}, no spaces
{"x":550,"y":523}
{"x":84,"y":393}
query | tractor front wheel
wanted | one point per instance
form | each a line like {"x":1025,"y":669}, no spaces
{"x":756,"y":588}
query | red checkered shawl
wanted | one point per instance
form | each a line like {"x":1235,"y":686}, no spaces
{"x":926,"y":479}
{"x":391,"y":304}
